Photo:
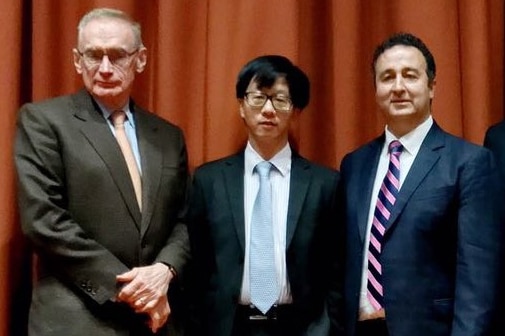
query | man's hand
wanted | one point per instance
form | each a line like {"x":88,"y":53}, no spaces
{"x":145,"y":287}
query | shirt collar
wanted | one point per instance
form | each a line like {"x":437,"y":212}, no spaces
{"x":281,"y":160}
{"x":106,"y":113}
{"x":411,"y":141}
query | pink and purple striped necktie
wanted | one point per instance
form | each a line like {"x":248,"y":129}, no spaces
{"x":386,"y":199}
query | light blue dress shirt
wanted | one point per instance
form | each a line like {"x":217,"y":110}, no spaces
{"x":130,"y":130}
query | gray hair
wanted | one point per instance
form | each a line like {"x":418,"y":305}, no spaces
{"x":99,"y":13}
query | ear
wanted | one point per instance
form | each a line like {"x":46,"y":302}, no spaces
{"x":77,"y":61}
{"x":141,"y":60}
{"x":432,"y":88}
{"x":241,"y":108}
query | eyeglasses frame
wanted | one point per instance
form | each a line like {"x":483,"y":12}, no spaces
{"x":268,"y":97}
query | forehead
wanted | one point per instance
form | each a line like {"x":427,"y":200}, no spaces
{"x":280,"y":83}
{"x":107,"y":33}
{"x":400,"y":57}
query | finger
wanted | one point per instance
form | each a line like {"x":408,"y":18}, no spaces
{"x":150,"y":305}
{"x":131,"y":292}
{"x":127,"y":276}
{"x":141,"y":302}
{"x":155,"y":322}
{"x":140,"y":290}
{"x":145,"y":304}
{"x":126,"y":293}
{"x":140,"y":306}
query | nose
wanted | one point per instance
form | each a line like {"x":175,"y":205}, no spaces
{"x":398,"y":84}
{"x":105,"y":65}
{"x":268,"y":108}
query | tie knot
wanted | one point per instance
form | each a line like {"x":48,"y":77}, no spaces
{"x":395,"y":147}
{"x":263,"y":168}
{"x":118,"y":117}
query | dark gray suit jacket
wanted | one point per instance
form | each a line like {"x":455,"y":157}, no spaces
{"x":79,"y":211}
{"x":443,"y":246}
{"x":216,"y":227}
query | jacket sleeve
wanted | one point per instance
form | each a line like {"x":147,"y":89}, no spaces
{"x":480,"y":239}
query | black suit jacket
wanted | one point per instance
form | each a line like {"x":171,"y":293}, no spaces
{"x":78,"y":209}
{"x":442,"y":248}
{"x":216,"y":227}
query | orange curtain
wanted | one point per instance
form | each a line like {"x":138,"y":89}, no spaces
{"x":196,"y":49}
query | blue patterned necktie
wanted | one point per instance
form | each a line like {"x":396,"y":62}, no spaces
{"x":385,"y":201}
{"x":262,"y":273}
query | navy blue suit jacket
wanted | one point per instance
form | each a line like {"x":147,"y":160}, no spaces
{"x":443,"y":243}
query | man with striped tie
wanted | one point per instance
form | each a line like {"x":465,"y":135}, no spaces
{"x":424,"y":214}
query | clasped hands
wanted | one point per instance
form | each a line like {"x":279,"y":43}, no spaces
{"x":145,"y":291}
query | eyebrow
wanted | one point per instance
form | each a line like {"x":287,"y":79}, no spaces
{"x":406,"y":69}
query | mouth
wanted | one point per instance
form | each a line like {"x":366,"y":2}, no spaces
{"x":106,"y":84}
{"x":267,"y":124}
{"x":400,"y":101}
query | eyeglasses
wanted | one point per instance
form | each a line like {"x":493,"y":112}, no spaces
{"x":117,"y":57}
{"x":280,"y":102}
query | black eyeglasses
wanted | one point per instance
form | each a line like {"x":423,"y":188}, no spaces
{"x":117,"y":57}
{"x":280,"y":102}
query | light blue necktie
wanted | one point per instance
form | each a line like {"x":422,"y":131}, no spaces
{"x":264,"y":288}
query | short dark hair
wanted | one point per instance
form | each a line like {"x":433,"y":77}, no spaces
{"x":265,"y":70}
{"x":410,"y":40}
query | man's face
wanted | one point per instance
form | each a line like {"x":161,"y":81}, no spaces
{"x":107,"y":57}
{"x":266,"y":124}
{"x":402,"y":89}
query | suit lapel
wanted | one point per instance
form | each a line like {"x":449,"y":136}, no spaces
{"x":366,"y":178}
{"x":425,"y":160}
{"x":233,"y":176}
{"x":299,"y":184}
{"x":152,"y":159}
{"x":97,"y":132}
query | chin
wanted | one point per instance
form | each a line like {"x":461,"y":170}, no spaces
{"x":401,"y":112}
{"x":106,"y":92}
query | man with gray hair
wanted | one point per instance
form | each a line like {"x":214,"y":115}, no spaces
{"x":102,"y":190}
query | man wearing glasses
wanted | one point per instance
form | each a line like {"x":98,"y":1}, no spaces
{"x":102,"y":188}
{"x":262,"y":222}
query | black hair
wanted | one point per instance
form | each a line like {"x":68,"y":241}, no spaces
{"x":265,"y":70}
{"x":410,"y":40}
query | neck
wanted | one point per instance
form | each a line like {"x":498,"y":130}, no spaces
{"x":112,"y":104}
{"x":400,"y":127}
{"x":267,"y":149}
